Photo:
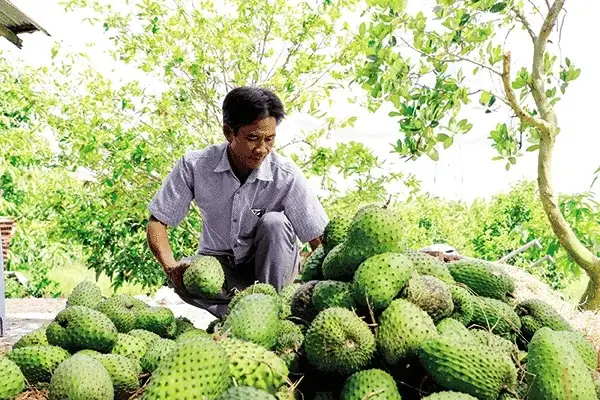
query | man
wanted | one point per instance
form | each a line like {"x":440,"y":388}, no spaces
{"x":256,"y":206}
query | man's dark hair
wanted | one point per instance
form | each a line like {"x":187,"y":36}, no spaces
{"x":247,"y":104}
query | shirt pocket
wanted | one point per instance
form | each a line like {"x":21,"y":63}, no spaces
{"x":248,"y":222}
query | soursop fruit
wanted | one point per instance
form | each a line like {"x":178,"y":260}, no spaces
{"x":289,"y":337}
{"x":12,"y":381}
{"x":204,"y":277}
{"x":38,"y":363}
{"x":449,"y":395}
{"x":370,"y":384}
{"x":86,"y":293}
{"x":253,"y":365}
{"x":255,"y":318}
{"x":311,"y":268}
{"x":285,"y":299}
{"x":472,"y":369}
{"x":146,"y":336}
{"x":191,"y":334}
{"x":33,"y":338}
{"x":130,"y":347}
{"x":453,"y":328}
{"x":426,"y":264}
{"x":536,"y":314}
{"x":159,"y":320}
{"x":583,"y":346}
{"x":403,"y":327}
{"x":258,"y":287}
{"x":380,"y":278}
{"x":374,"y":230}
{"x":81,"y":377}
{"x":483,"y":278}
{"x":329,"y":293}
{"x":156,"y":353}
{"x":431,"y":294}
{"x":495,"y":316}
{"x":555,"y":370}
{"x":245,"y":393}
{"x":495,"y":342}
{"x":302,"y":305}
{"x":183,"y":325}
{"x":336,"y":232}
{"x":463,"y":304}
{"x":123,"y":373}
{"x":198,"y":370}
{"x":78,"y":327}
{"x":121,"y":310}
{"x":339,"y":341}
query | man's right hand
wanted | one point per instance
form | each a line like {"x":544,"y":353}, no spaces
{"x":175,"y":276}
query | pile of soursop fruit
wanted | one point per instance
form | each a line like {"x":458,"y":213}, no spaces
{"x":366,"y":319}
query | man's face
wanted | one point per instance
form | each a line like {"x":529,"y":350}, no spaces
{"x":252,"y":143}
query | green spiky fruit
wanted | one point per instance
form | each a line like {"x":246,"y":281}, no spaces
{"x":555,"y":370}
{"x":81,"y":377}
{"x":253,"y":365}
{"x":245,"y":393}
{"x":121,"y":310}
{"x":255,"y":318}
{"x":33,"y":338}
{"x":285,"y":299}
{"x":86,"y":293}
{"x":156,"y":353}
{"x":130,"y":346}
{"x":495,"y":316}
{"x":159,"y":320}
{"x":289,"y":338}
{"x":302,"y":305}
{"x":78,"y":327}
{"x":12,"y":381}
{"x":463,"y":304}
{"x":373,"y":291}
{"x":38,"y":363}
{"x":495,"y":342}
{"x":426,"y":264}
{"x":370,"y":384}
{"x":328,"y":294}
{"x":183,"y":325}
{"x":258,"y":287}
{"x":146,"y":336}
{"x":204,"y":277}
{"x":199,"y":370}
{"x":472,"y":369}
{"x":536,"y":314}
{"x":336,"y":232}
{"x":374,"y":230}
{"x":452,"y":327}
{"x":339,"y":341}
{"x":190,"y":334}
{"x":403,"y":327}
{"x":449,"y":395}
{"x":583,"y":346}
{"x":123,"y":374}
{"x":431,"y":294}
{"x":311,"y":268}
{"x":483,"y":278}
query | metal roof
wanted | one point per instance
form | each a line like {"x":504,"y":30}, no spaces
{"x":14,"y":21}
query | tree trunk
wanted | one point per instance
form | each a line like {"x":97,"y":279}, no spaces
{"x":567,"y":238}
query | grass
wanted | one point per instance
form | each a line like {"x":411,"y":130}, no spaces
{"x":68,"y":276}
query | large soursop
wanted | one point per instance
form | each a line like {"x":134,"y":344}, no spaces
{"x":204,"y":277}
{"x":81,"y":377}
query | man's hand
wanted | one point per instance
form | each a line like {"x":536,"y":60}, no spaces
{"x":175,"y":275}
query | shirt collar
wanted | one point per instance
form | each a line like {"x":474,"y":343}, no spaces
{"x":264,"y":172}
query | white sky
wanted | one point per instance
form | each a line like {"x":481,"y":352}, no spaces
{"x":465,"y":171}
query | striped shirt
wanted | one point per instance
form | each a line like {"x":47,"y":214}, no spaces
{"x":229,"y":211}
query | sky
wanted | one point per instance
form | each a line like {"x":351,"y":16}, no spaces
{"x":466,"y":170}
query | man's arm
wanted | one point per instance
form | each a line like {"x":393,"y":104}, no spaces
{"x":158,"y":241}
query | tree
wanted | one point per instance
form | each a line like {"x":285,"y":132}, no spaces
{"x":461,"y":57}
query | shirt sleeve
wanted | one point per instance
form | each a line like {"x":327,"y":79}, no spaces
{"x":303,"y":208}
{"x":171,"y":203}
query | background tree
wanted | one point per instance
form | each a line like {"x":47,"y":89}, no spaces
{"x":459,"y":57}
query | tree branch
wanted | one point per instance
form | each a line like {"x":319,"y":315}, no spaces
{"x":512,"y":99}
{"x":522,"y":19}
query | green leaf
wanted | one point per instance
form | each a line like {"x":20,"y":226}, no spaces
{"x":498,"y":7}
{"x":485,"y":98}
{"x":533,"y":147}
